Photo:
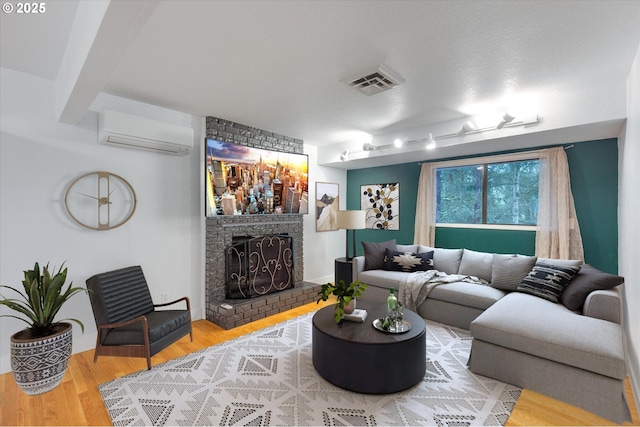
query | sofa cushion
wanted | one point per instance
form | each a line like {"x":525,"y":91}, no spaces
{"x":547,"y":281}
{"x":408,"y":248}
{"x":407,"y":261}
{"x":476,"y":264}
{"x":467,"y":294}
{"x":508,"y":271}
{"x":445,"y":260}
{"x":553,"y":261}
{"x":382,"y":278}
{"x":538,"y":327}
{"x":587,"y":280}
{"x":374,"y":253}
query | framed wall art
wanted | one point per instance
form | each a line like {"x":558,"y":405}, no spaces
{"x":382,"y":203}
{"x":327,"y":206}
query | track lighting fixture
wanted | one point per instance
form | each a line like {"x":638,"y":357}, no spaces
{"x":507,"y":121}
{"x":431,"y":142}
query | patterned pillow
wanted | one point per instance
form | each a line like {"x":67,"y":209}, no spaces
{"x":407,"y":261}
{"x":548,"y":281}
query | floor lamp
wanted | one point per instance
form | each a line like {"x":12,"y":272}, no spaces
{"x":351,"y":220}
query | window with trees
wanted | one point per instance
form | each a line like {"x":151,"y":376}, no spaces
{"x":488,"y":193}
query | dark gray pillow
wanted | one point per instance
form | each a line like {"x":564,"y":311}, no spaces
{"x":548,"y":281}
{"x":374,"y":253}
{"x":407,"y":261}
{"x":508,"y":271}
{"x":589,"y":279}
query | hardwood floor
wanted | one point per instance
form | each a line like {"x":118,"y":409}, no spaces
{"x":77,"y":400}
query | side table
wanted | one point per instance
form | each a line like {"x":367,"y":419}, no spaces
{"x":343,"y":270}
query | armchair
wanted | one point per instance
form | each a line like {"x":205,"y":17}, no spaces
{"x":127,"y":320}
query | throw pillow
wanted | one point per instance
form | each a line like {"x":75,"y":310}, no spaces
{"x":445,"y":260}
{"x":548,"y":281}
{"x":553,"y":261}
{"x":589,"y":279}
{"x":407,"y":248}
{"x":476,"y":264}
{"x":407,"y":261}
{"x":374,"y":253}
{"x":509,"y":270}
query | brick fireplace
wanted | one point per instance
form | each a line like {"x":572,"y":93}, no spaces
{"x":221,"y":230}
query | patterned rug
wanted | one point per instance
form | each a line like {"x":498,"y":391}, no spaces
{"x":267,"y":379}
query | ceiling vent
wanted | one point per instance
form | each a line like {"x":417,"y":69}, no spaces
{"x":376,"y":81}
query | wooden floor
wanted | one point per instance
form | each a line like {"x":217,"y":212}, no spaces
{"x":77,"y":400}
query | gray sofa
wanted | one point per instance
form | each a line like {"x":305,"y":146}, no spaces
{"x":572,"y":350}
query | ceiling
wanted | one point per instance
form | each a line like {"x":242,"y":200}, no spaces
{"x":281,"y":65}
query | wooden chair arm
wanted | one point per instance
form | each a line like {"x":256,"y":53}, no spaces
{"x":176,"y":301}
{"x":142,"y":319}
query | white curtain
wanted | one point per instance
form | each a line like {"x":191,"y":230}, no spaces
{"x":558,"y":232}
{"x":425,"y":224}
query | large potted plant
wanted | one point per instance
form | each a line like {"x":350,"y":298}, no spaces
{"x":40,"y":353}
{"x":345,"y":294}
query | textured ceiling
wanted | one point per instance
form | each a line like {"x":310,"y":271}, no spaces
{"x":280,"y":66}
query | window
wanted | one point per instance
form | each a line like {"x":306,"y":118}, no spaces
{"x":488,"y":193}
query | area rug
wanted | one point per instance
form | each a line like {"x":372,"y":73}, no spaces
{"x":267,"y":378}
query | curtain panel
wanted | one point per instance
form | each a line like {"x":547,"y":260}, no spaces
{"x":558,"y":233}
{"x":425,"y":223}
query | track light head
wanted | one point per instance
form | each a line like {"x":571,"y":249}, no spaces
{"x":367,"y":146}
{"x":466,"y":128}
{"x":506,"y":118}
{"x":344,"y":156}
{"x":431,"y":142}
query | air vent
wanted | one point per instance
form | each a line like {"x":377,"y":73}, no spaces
{"x":376,"y":81}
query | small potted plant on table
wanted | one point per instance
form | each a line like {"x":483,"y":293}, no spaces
{"x":40,"y":353}
{"x":345,"y":294}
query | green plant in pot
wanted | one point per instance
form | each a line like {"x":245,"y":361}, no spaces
{"x":344,"y":293}
{"x":40,"y":353}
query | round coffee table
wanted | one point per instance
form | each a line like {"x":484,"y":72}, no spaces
{"x":357,"y":357}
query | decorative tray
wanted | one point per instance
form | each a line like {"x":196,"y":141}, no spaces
{"x":406,"y":326}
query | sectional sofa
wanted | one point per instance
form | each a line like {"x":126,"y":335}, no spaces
{"x":552,"y":326}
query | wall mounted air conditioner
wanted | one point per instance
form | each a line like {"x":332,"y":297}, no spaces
{"x":125,"y":130}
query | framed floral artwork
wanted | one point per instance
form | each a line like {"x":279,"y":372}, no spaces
{"x":327,"y":198}
{"x":382,"y":203}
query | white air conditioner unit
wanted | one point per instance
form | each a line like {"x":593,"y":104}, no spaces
{"x":125,"y":130}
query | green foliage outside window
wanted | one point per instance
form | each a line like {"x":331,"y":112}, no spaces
{"x":495,"y":193}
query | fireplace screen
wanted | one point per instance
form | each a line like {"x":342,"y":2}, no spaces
{"x":258,"y":266}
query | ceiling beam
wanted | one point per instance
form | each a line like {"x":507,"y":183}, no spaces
{"x":101,"y":35}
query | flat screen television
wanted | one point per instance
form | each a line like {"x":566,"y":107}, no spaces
{"x":243,"y":180}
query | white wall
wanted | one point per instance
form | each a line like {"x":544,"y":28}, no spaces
{"x":628,"y":225}
{"x":40,"y":156}
{"x":322,"y":248}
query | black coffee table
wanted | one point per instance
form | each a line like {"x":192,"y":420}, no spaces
{"x":357,"y":357}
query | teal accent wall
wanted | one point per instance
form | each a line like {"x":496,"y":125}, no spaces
{"x":593,"y":167}
{"x":497,"y":241}
{"x":407,"y":175}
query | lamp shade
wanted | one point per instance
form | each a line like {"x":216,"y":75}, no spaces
{"x":351,"y":220}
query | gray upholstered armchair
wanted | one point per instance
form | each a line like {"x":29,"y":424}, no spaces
{"x":128,"y":323}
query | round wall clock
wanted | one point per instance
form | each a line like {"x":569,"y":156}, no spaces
{"x":100,"y":200}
